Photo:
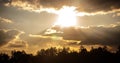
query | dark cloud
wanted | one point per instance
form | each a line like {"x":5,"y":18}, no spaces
{"x":5,"y":1}
{"x":92,"y":35}
{"x":57,"y":3}
{"x":81,"y":5}
{"x":7,"y":35}
{"x":102,"y":35}
{"x":99,"y":5}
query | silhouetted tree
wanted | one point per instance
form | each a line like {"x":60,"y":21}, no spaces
{"x":64,"y":51}
{"x":49,"y":52}
{"x":4,"y":58}
{"x":53,"y":55}
{"x":118,"y":51}
{"x":20,"y":57}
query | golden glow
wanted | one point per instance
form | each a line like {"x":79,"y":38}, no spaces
{"x":67,"y":17}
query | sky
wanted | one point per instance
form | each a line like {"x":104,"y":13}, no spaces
{"x":31,"y":25}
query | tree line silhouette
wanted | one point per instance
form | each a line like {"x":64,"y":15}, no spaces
{"x":64,"y":55}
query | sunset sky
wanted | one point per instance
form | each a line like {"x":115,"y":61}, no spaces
{"x":31,"y":25}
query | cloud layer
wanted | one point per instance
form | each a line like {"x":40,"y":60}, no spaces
{"x":100,"y":35}
{"x":81,"y":5}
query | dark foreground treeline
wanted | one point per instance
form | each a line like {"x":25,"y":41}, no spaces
{"x":53,"y":55}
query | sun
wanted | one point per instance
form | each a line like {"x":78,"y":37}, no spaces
{"x":66,"y":17}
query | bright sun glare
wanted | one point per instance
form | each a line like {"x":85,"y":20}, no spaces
{"x":66,"y":17}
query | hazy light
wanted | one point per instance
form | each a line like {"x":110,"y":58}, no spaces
{"x":67,"y":17}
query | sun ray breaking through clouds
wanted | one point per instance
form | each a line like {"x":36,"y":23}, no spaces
{"x":60,"y":23}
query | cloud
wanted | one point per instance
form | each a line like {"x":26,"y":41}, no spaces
{"x":43,"y":41}
{"x":8,"y":35}
{"x":5,"y":23}
{"x":5,"y":1}
{"x":18,"y":43}
{"x":89,"y":6}
{"x":83,"y":5}
{"x":118,"y":14}
{"x":73,"y":37}
{"x":100,"y":35}
{"x":2,"y":20}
